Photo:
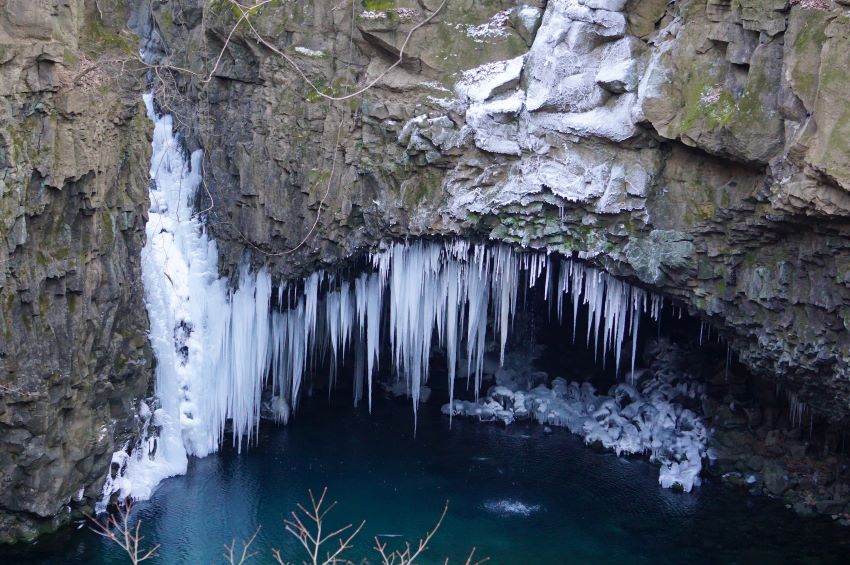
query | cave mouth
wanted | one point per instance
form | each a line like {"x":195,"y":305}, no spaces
{"x":553,"y":330}
{"x":495,"y":332}
{"x":502,"y":333}
{"x":440,"y":312}
{"x":549,"y":333}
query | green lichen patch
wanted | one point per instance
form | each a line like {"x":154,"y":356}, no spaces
{"x":97,"y":39}
{"x":710,"y":105}
{"x":378,"y":5}
{"x":718,"y":106}
{"x":808,"y":35}
{"x":336,"y":89}
{"x":166,"y":20}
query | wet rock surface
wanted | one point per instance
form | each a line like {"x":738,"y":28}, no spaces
{"x":73,"y":202}
{"x":765,"y":442}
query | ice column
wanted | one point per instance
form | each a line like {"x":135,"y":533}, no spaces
{"x":213,"y":345}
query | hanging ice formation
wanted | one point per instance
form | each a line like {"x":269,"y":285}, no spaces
{"x":211,"y":344}
{"x":443,"y":294}
{"x":217,"y":349}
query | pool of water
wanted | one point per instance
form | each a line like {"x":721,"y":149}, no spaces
{"x":515,"y":494}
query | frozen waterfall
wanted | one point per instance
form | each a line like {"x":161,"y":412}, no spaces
{"x":210,"y":363}
{"x":218,"y":348}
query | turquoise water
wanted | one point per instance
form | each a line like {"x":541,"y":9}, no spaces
{"x":517,"y":495}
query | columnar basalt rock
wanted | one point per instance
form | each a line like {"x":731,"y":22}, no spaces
{"x":73,"y":202}
{"x":696,"y":147}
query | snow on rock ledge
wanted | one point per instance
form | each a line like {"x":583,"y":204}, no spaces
{"x":558,"y":110}
{"x":480,"y":83}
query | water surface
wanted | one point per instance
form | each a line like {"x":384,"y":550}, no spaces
{"x":517,"y":495}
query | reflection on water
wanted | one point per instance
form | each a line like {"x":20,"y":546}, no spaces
{"x":517,"y":495}
{"x":507,"y":507}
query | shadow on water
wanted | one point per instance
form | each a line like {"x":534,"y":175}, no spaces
{"x":517,"y":495}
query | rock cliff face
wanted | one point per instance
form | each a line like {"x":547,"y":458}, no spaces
{"x":74,"y":156}
{"x":695,"y":147}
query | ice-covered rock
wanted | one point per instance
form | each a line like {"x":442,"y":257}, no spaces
{"x":495,"y":129}
{"x":621,"y":66}
{"x":276,"y":409}
{"x":647,"y":418}
{"x":579,"y":92}
{"x":526,"y":19}
{"x":480,"y":83}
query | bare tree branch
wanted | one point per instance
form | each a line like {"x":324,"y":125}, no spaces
{"x":360,"y":91}
{"x":233,"y":558}
{"x":311,"y":537}
{"x":125,"y":536}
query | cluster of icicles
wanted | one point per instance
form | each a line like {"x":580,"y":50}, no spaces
{"x":431,"y":294}
{"x":217,"y":348}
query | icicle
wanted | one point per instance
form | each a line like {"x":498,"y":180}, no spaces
{"x":478,"y":298}
{"x":577,"y":277}
{"x":656,"y":305}
{"x":563,"y":288}
{"x":452,"y":311}
{"x":596,"y":304}
{"x":638,"y":303}
{"x":505,"y":278}
{"x":797,"y":410}
{"x":368,"y":293}
{"x":359,"y":372}
{"x":616,"y":309}
{"x":311,"y":294}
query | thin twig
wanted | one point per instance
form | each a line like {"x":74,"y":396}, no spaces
{"x":230,"y":552}
{"x":408,"y":556}
{"x":124,"y":535}
{"x":311,"y":538}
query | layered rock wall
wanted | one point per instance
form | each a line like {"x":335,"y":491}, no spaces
{"x":74,"y":154}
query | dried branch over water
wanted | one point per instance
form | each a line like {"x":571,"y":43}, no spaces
{"x":308,"y":525}
{"x":117,"y":529}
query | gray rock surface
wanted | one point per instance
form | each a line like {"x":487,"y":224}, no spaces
{"x":73,"y":202}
